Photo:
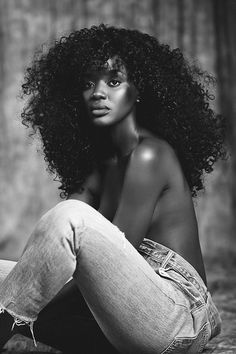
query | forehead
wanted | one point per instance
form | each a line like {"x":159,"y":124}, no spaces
{"x":112,"y":66}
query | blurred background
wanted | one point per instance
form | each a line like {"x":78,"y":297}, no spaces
{"x":203,"y":29}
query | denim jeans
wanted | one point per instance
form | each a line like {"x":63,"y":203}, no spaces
{"x":145,"y":301}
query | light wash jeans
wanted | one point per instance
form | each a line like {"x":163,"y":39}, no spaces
{"x":145,"y":301}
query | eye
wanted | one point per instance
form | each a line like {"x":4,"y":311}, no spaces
{"x":114,"y":83}
{"x":87,"y":85}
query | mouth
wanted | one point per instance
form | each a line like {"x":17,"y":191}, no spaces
{"x":99,"y":111}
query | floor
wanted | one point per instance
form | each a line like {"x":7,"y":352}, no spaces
{"x":222,"y":284}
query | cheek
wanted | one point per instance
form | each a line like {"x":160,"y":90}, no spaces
{"x":127,"y":97}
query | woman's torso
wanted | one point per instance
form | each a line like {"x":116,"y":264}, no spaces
{"x":173,"y":221}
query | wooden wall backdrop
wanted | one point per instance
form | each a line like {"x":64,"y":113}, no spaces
{"x":199,"y":27}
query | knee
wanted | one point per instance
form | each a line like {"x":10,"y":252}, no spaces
{"x":64,"y":223}
{"x":72,"y":211}
{"x":63,"y":217}
{"x":73,"y":217}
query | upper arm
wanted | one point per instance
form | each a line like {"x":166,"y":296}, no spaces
{"x":144,"y":182}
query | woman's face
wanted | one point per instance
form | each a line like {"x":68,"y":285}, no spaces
{"x":108,"y":95}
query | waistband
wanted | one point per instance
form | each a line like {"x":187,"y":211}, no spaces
{"x":164,"y":255}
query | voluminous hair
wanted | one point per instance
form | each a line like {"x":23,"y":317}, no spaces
{"x":174,"y":103}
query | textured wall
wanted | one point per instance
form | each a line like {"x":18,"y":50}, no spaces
{"x":26,"y":190}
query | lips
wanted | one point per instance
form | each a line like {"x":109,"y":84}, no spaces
{"x":99,"y":110}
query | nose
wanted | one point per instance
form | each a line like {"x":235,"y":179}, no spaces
{"x":98,"y":95}
{"x":99,"y":92}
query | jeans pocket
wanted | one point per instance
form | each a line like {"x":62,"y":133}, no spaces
{"x":184,"y":345}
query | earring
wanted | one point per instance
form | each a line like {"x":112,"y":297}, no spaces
{"x":138,"y":100}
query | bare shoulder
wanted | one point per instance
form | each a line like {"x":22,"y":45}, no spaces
{"x":154,"y":152}
{"x":157,"y":159}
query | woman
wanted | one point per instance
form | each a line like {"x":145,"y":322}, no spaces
{"x":126,"y":126}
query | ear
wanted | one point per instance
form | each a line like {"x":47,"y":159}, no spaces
{"x":136,"y":93}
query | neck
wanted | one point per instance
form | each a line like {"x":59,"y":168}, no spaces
{"x":125,"y":136}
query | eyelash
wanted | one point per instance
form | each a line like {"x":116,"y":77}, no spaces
{"x":117,"y":81}
{"x":89,"y":84}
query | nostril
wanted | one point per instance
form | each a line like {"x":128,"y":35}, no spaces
{"x":98,"y":95}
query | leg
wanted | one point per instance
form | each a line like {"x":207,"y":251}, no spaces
{"x":136,"y":309}
{"x":67,"y":324}
{"x":58,"y":322}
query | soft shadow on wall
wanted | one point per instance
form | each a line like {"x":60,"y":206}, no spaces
{"x":27,"y":191}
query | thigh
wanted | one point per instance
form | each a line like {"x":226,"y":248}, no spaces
{"x":137,"y":310}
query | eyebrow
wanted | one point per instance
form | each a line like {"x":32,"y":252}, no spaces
{"x":112,"y":72}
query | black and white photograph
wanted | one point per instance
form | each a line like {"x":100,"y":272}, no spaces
{"x":118,"y":176}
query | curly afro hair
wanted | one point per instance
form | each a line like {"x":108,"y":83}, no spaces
{"x":174,"y":103}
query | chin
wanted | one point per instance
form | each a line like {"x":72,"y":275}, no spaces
{"x":103,"y":121}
